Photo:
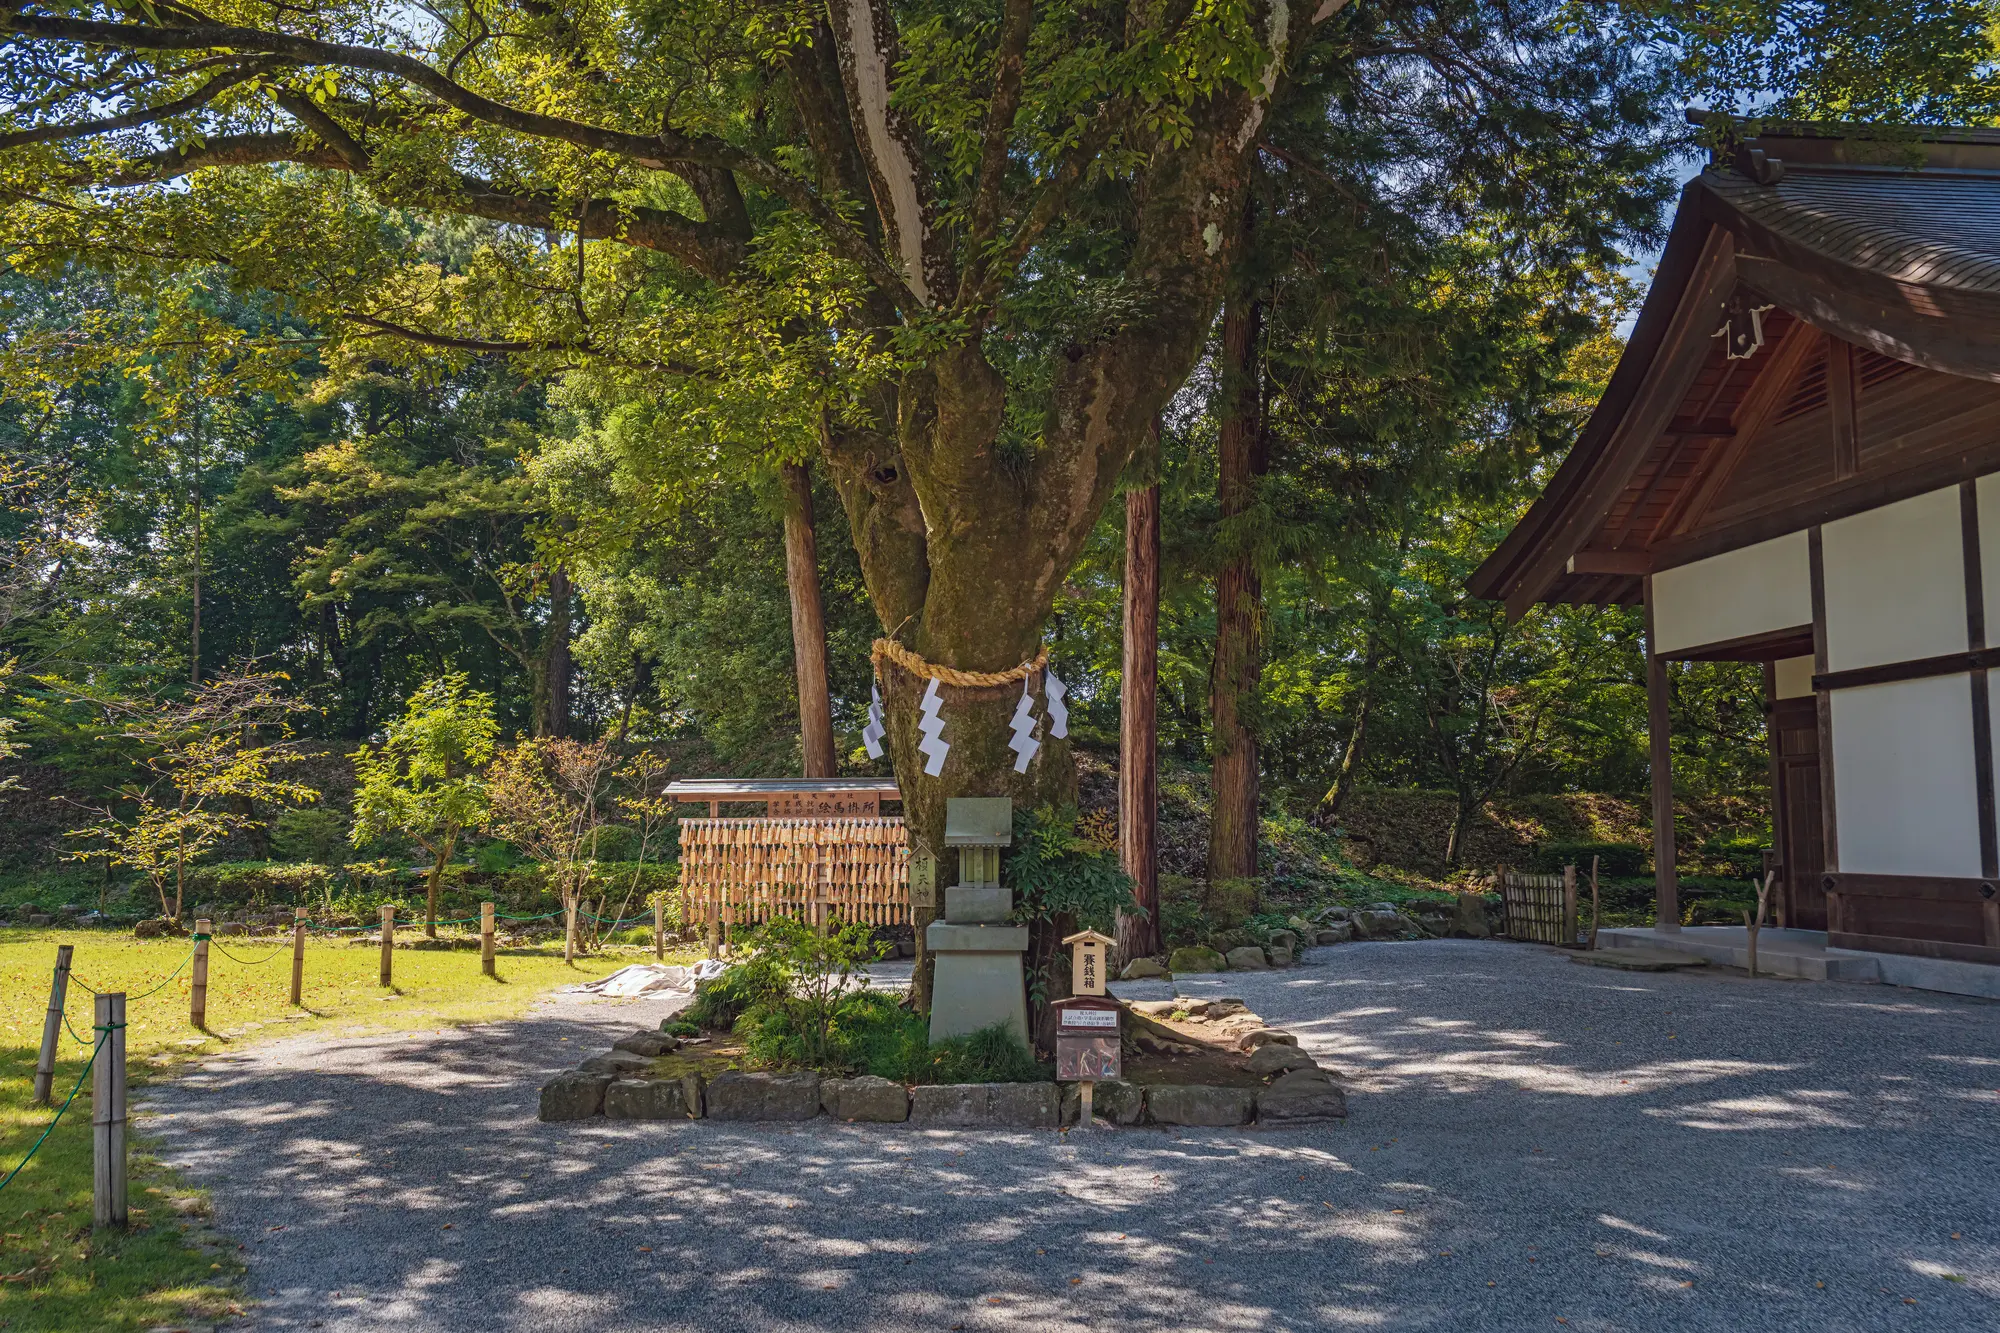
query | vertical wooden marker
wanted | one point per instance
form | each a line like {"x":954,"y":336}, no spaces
{"x":388,"y":942}
{"x":198,"y":993}
{"x":298,"y":956}
{"x":45,"y":1064}
{"x":107,"y":1115}
{"x":659,"y":928}
{"x":1569,"y":906}
{"x":486,"y":938}
{"x":569,"y":929}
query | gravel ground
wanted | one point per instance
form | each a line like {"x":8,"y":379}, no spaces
{"x":1533,"y":1145}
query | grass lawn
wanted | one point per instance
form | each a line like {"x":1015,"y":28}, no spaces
{"x":55,"y":1276}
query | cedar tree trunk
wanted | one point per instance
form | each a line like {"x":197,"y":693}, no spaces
{"x":1138,"y":729}
{"x":1239,"y":611}
{"x":808,"y":625}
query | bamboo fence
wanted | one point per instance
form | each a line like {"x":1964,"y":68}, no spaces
{"x":1540,"y":907}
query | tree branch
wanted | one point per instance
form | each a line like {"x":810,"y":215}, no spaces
{"x":194,"y":101}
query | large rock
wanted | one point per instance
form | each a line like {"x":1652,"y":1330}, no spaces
{"x":654,"y":1098}
{"x":573,"y":1095}
{"x":1249,"y":958}
{"x":1374,"y":924}
{"x":739,"y":1095}
{"x":1250,"y":1041}
{"x":1284,"y":939}
{"x":1225,"y":1006}
{"x":1141,"y":968}
{"x":1277,"y":1058}
{"x":1340,"y":933}
{"x":1113,"y":1099}
{"x":985,"y":1106}
{"x":1198,"y":1104}
{"x":616,"y":1063}
{"x":1302,"y":1097}
{"x":646,"y":1043}
{"x":1281,"y":957}
{"x":1469,"y":921}
{"x":877,"y":1100}
{"x":1197,"y":959}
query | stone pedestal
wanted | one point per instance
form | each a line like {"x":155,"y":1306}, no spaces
{"x":979,"y":977}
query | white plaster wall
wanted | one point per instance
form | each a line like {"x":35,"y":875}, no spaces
{"x":1755,"y":590}
{"x":1988,"y":490}
{"x":1903,"y":785}
{"x":1895,"y":583}
{"x":1793,"y":676}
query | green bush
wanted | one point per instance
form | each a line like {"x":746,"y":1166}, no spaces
{"x":720,"y":1001}
{"x":1181,"y":918}
{"x":1614,"y":859}
{"x":990,"y":1055}
{"x":631,"y":935}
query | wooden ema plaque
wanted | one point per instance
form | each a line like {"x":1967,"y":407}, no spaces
{"x":1089,"y":1040}
{"x":811,"y":804}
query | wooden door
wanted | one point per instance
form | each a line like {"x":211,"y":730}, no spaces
{"x":1795,"y":810}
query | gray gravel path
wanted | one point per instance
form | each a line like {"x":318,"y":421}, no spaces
{"x":1534,"y":1145}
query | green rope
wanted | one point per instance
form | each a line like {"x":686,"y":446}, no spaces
{"x":106,"y":1030}
{"x":246,"y":962}
{"x":163,"y":985}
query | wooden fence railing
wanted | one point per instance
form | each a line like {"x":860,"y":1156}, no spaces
{"x":1541,"y":908}
{"x":737,"y":872}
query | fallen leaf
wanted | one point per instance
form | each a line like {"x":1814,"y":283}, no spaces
{"x":1075,"y":1280}
{"x":645,"y":1249}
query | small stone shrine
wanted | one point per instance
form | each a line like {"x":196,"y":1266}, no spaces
{"x":978,"y":979}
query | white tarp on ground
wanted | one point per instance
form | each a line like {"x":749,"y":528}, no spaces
{"x":647,"y":978}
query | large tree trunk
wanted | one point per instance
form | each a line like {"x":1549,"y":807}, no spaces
{"x":1138,"y":729}
{"x":816,"y":751}
{"x":552,"y":715}
{"x":1239,"y":612}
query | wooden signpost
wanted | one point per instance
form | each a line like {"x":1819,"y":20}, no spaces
{"x":1089,"y":1040}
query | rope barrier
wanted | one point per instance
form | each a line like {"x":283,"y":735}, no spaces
{"x":246,"y":962}
{"x":143,"y":994}
{"x":891,"y":651}
{"x":104,"y":1028}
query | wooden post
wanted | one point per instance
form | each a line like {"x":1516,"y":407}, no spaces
{"x":298,"y":956}
{"x":388,"y":942}
{"x":45,"y":1064}
{"x":198,"y":992}
{"x":659,"y":927}
{"x":569,"y":928}
{"x":1138,"y":726}
{"x":1754,"y":924}
{"x":1659,"y":738}
{"x":1569,"y":905}
{"x":1084,"y":1089}
{"x":1593,"y":903}
{"x":107,"y":1115}
{"x":486,"y":939}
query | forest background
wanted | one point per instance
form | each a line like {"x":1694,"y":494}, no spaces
{"x":202,"y":480}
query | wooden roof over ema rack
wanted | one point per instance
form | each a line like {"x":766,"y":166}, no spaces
{"x":1822,"y":337}
{"x":790,"y":797}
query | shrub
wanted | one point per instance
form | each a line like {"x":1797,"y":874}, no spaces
{"x":990,"y":1055}
{"x":814,"y":970}
{"x":1614,"y":859}
{"x":719,"y":1002}
{"x":1181,"y":917}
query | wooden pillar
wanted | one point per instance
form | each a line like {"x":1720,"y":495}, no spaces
{"x":1666,"y":881}
{"x":388,"y":942}
{"x":45,"y":1063}
{"x":298,"y":955}
{"x":659,"y":927}
{"x":198,"y":990}
{"x":1138,"y":727}
{"x":808,"y":624}
{"x":486,"y":939}
{"x":569,"y":928}
{"x":107,"y":1115}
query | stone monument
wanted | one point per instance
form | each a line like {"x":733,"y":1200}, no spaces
{"x":978,"y":979}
